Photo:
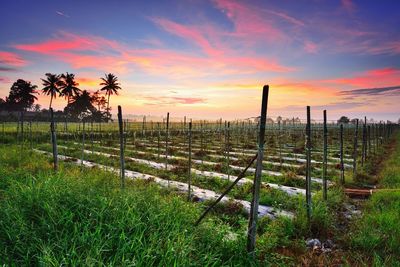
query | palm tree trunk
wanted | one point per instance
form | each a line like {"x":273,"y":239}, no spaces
{"x":51,"y":101}
{"x":108,"y":106}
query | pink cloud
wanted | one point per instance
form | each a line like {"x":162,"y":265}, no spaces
{"x":190,"y":33}
{"x":287,"y":18}
{"x":250,"y":22}
{"x":11,"y":59}
{"x":109,"y":55}
{"x":4,"y":80}
{"x":166,"y":100}
{"x":368,"y":79}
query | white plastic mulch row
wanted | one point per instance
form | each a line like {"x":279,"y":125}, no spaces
{"x":202,"y":194}
{"x":252,"y":170}
{"x":285,"y":149}
{"x":287,"y":189}
{"x":233,"y":153}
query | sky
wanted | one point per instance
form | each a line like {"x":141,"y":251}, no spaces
{"x":210,"y":58}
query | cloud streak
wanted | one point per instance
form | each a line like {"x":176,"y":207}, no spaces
{"x":11,"y":59}
{"x":373,"y":91}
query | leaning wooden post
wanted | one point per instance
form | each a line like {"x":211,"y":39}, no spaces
{"x":190,"y":161}
{"x":53,"y":140}
{"x":341,"y":155}
{"x":325,"y":160}
{"x":308,"y":163}
{"x":251,"y":234}
{"x":355,"y":150}
{"x":121,"y":147}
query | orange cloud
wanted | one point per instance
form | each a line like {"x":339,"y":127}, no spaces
{"x":88,"y":82}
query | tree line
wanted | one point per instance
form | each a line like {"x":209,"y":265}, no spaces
{"x":81,"y":104}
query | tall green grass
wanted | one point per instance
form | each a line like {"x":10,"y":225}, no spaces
{"x":377,"y":233}
{"x":83,"y":218}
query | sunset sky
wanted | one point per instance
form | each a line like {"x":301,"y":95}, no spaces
{"x":210,"y":59}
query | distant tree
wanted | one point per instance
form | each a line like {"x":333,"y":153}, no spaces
{"x":81,"y":106}
{"x":343,"y":120}
{"x":36,"y":108}
{"x":110,"y":86}
{"x":52,"y":85}
{"x":354,"y":121}
{"x":69,"y":87}
{"x":22,"y":96}
{"x":270,"y":120}
{"x":99,"y":100}
{"x":2,"y":104}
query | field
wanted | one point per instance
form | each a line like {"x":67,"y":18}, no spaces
{"x":80,"y":215}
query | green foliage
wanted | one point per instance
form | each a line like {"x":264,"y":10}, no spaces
{"x":83,"y":218}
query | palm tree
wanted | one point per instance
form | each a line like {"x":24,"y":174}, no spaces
{"x":52,"y":86}
{"x":111,"y":86}
{"x":69,"y":88}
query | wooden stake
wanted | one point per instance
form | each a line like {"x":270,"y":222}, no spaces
{"x":190,"y":161}
{"x":252,"y":230}
{"x":166,"y":144}
{"x":53,"y":140}
{"x":355,"y":150}
{"x":341,"y":155}
{"x":325,"y":160}
{"x":308,"y":164}
{"x":83,"y":142}
{"x":121,"y":147}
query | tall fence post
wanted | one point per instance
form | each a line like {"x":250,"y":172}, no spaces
{"x":53,"y":140}
{"x":363,"y":145}
{"x":83,"y":142}
{"x":355,"y":150}
{"x":325,"y":159}
{"x":341,"y":156}
{"x":227,"y":147}
{"x":121,"y":147}
{"x":251,"y":234}
{"x":308,"y":163}
{"x":190,"y":160}
{"x":166,"y":144}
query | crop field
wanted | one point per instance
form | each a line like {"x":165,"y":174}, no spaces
{"x":192,"y":164}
